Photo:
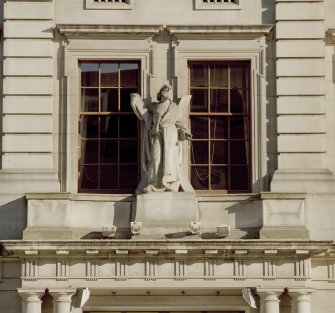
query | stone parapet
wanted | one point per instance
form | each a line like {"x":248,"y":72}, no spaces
{"x":166,"y":215}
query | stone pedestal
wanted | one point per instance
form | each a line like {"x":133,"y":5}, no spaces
{"x":283,"y":216}
{"x":165,"y":214}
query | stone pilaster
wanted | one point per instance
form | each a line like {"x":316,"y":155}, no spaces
{"x":28,"y":111}
{"x":301,"y":89}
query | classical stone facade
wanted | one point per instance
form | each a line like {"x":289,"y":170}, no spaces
{"x":252,"y":227}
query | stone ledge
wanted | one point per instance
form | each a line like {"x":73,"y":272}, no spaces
{"x":139,"y":247}
{"x":218,"y":30}
{"x":77,"y":30}
{"x":282,"y":232}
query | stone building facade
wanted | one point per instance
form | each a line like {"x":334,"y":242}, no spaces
{"x":252,"y":230}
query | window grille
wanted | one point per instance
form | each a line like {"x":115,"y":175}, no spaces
{"x":220,"y":1}
{"x":113,"y":1}
{"x":218,"y":4}
{"x":109,"y":4}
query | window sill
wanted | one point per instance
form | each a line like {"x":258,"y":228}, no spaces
{"x":203,"y":197}
{"x":80,"y":197}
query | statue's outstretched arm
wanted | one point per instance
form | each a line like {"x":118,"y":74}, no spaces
{"x":140,"y":108}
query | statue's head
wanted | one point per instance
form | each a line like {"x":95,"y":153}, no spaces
{"x":165,"y":93}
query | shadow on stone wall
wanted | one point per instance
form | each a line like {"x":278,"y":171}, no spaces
{"x":268,"y":12}
{"x":122,"y":218}
{"x":13,"y":219}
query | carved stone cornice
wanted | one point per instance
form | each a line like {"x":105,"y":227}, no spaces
{"x":92,"y":30}
{"x":191,"y":248}
{"x":187,"y":31}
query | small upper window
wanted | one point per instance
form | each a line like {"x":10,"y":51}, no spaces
{"x":217,"y":4}
{"x":109,"y":4}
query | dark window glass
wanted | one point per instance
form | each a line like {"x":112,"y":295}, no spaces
{"x":109,"y":177}
{"x":199,"y":126}
{"x":89,"y":74}
{"x":199,"y":152}
{"x":220,"y":148}
{"x":219,"y":178}
{"x":219,"y":127}
{"x":219,"y":75}
{"x":90,"y":127}
{"x":109,"y":74}
{"x":219,"y":100}
{"x":126,"y":172}
{"x":108,"y":128}
{"x":125,"y":96}
{"x":199,"y":101}
{"x":128,"y":126}
{"x":200,"y":177}
{"x":239,"y":178}
{"x":129,"y":73}
{"x":90,"y":150}
{"x":219,"y":152}
{"x":109,"y":100}
{"x":89,"y":100}
{"x":89,"y":177}
{"x":109,"y":151}
{"x":199,"y":75}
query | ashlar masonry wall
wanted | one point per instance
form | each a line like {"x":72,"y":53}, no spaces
{"x":301,"y":89}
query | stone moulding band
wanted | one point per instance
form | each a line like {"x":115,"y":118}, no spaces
{"x":75,"y":30}
{"x":250,"y":247}
{"x":72,"y":30}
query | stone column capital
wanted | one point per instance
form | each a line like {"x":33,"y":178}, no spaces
{"x":31,"y":300}
{"x":269,"y":301}
{"x":269,"y":292}
{"x":62,"y":295}
{"x":62,"y":300}
{"x":300,"y":294}
{"x":31,"y":295}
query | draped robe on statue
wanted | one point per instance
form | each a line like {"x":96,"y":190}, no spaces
{"x":161,"y":155}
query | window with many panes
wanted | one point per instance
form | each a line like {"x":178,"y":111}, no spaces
{"x":220,"y":124}
{"x":108,"y":147}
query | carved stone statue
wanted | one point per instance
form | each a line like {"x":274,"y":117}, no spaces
{"x":164,"y":128}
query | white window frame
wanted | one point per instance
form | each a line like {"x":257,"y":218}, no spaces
{"x":92,"y":5}
{"x":200,"y":5}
